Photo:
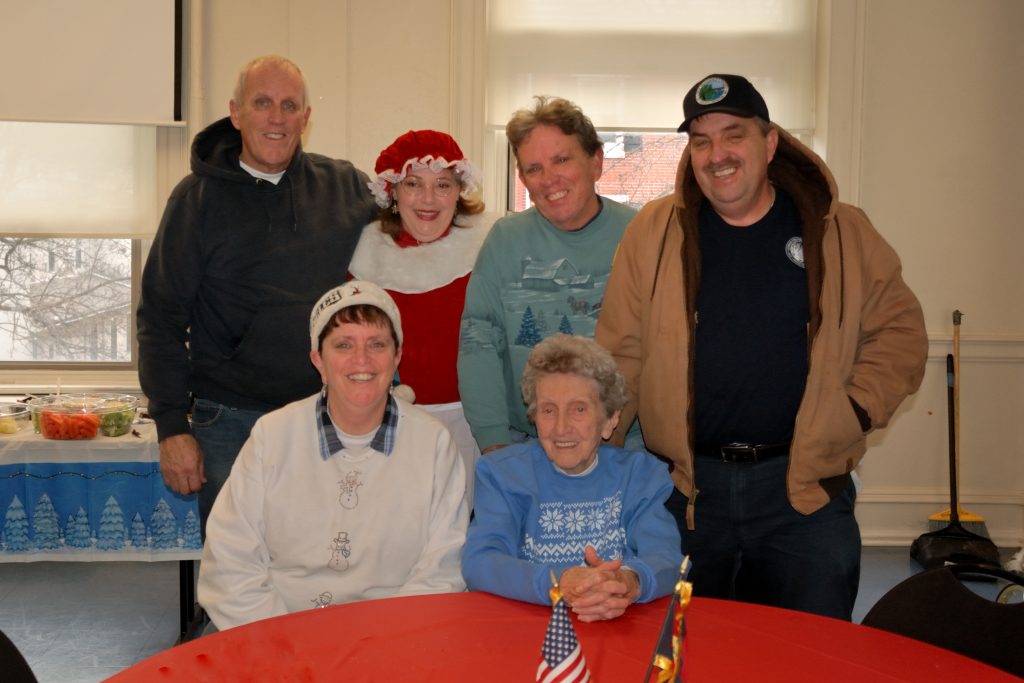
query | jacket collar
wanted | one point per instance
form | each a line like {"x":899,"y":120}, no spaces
{"x":795,"y":168}
{"x":327,"y":435}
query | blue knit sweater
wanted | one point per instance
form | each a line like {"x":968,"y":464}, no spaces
{"x":531,"y":519}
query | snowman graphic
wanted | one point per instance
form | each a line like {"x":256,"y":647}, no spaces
{"x":341,"y":549}
{"x":348,"y":498}
{"x":323,"y":600}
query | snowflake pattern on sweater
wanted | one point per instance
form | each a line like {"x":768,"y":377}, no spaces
{"x":568,"y":528}
{"x":532,"y":519}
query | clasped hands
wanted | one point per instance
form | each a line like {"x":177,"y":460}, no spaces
{"x":601,"y":589}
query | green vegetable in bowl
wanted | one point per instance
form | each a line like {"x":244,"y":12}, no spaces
{"x":117,"y":424}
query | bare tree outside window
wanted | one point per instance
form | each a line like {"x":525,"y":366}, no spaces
{"x":65,"y":299}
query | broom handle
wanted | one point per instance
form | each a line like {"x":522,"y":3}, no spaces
{"x":954,"y":500}
{"x":957,"y":315}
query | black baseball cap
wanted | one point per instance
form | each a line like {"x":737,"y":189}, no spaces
{"x":722,"y":92}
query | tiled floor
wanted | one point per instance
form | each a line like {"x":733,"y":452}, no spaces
{"x":83,"y":622}
{"x":78,"y":622}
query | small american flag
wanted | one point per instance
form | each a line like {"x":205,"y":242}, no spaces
{"x":561,"y":659}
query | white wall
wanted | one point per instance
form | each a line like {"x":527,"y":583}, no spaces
{"x":917,"y":120}
{"x":375,"y":69}
{"x":940,"y":174}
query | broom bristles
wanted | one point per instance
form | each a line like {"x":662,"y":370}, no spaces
{"x":965,"y":516}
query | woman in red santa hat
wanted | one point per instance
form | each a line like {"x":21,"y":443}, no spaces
{"x":421,"y":250}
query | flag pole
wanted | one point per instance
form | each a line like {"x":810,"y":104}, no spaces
{"x":561,"y":655}
{"x":555,"y":592}
{"x":666,"y":626}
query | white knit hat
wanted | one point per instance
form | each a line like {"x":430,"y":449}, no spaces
{"x":352,"y":293}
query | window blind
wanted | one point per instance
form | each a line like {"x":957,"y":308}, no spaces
{"x":102,"y":61}
{"x":630,"y":64}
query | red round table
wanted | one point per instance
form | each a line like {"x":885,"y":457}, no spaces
{"x":476,"y":636}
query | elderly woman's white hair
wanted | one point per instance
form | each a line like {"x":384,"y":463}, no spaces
{"x":572,"y":355}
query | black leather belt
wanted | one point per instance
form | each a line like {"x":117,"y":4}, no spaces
{"x":744,"y":452}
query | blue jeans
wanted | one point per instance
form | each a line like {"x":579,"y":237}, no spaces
{"x":220,"y":430}
{"x":751,"y":545}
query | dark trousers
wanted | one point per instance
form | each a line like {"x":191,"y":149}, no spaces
{"x":221,"y":431}
{"x":751,"y":545}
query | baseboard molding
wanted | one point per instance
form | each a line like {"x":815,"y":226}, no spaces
{"x":893,"y":496}
{"x":882,"y":538}
{"x":896,"y":518}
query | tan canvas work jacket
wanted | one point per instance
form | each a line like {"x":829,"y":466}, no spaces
{"x":866,"y":329}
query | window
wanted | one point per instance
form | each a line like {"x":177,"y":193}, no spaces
{"x":614,"y":145}
{"x":638,"y":167}
{"x":85,"y":165}
{"x":66,"y":299}
{"x":77,"y":201}
{"x":629,"y":70}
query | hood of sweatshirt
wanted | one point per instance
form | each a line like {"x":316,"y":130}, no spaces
{"x":216,"y":151}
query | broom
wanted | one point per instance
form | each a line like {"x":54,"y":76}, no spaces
{"x":972,"y":522}
{"x":953,"y":544}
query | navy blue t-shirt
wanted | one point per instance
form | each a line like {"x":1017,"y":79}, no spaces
{"x":751,"y":335}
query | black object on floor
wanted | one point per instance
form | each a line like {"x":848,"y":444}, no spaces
{"x":186,"y":598}
{"x":195,"y":627}
{"x":13,"y":667}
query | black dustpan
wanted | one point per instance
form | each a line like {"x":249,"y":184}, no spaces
{"x":953,"y":544}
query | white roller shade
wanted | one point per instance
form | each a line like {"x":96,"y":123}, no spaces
{"x":74,"y":179}
{"x":628,"y":64}
{"x":95,"y":61}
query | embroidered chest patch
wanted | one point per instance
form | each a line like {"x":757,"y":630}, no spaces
{"x":795,"y":251}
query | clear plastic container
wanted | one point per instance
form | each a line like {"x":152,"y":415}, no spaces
{"x":37,"y":404}
{"x":117,"y":413}
{"x":13,"y":417}
{"x":83,"y":416}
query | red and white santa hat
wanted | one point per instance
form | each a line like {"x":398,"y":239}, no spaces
{"x":420,"y":149}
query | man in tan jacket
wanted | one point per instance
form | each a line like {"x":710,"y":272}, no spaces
{"x":764,"y":329}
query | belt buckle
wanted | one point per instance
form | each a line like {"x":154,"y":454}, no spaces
{"x":738,"y":452}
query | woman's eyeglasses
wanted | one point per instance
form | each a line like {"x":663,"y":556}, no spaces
{"x":415,"y":187}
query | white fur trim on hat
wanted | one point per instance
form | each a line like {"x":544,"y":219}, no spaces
{"x":352,"y":293}
{"x":466,"y":173}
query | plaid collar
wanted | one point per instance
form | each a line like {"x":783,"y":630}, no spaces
{"x":383,"y":440}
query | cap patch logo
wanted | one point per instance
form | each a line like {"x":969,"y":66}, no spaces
{"x":712,"y":90}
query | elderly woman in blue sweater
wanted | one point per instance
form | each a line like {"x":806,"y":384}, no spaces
{"x":566,"y":503}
